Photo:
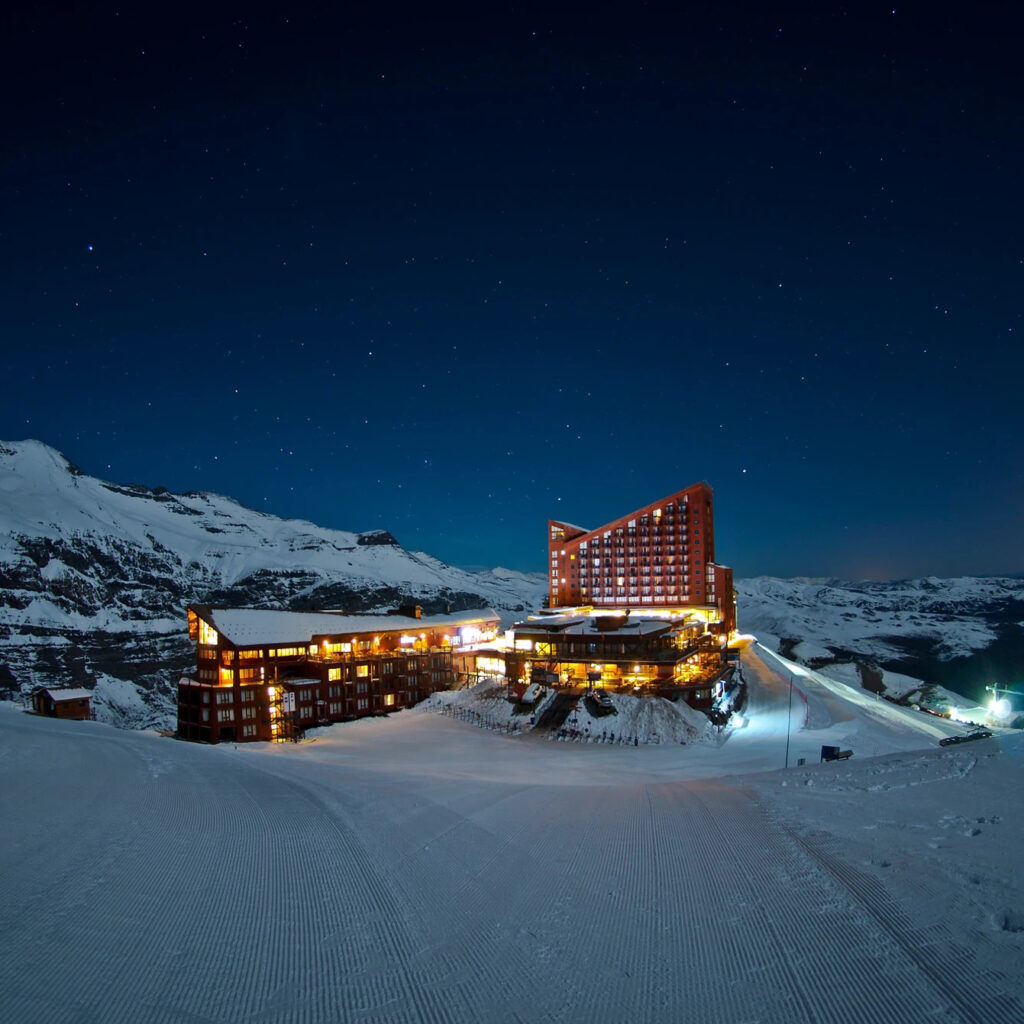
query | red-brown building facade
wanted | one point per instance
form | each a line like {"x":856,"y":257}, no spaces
{"x":661,"y":556}
{"x":267,"y":675}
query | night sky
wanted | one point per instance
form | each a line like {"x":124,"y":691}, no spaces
{"x":452,"y":276}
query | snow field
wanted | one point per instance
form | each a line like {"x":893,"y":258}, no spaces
{"x":417,"y":868}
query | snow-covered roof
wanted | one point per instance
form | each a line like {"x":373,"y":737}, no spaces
{"x":635,"y":627}
{"x":68,"y":694}
{"x":251,"y":626}
{"x":587,"y":625}
{"x":551,"y":623}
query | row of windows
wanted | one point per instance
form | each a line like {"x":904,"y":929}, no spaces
{"x":225,"y":716}
{"x":643,"y":591}
{"x":643,"y":570}
{"x":255,"y":654}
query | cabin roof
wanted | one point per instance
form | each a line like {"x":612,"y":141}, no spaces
{"x":76,"y":693}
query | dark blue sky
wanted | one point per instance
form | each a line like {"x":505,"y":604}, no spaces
{"x":452,"y":276}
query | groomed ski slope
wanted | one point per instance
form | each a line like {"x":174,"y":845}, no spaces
{"x":422,"y":869}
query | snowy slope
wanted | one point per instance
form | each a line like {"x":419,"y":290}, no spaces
{"x":95,"y":576}
{"x":964,"y":632}
{"x":420,"y":868}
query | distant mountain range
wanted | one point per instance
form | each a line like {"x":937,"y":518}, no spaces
{"x":95,"y":577}
{"x":962,"y":633}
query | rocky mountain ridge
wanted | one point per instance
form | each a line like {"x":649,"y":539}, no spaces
{"x":95,"y":578}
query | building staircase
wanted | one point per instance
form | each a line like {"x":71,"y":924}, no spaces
{"x":555,"y":714}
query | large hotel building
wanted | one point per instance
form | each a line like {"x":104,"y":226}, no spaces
{"x":661,"y":556}
{"x":638,"y":605}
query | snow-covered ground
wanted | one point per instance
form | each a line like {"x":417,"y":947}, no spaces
{"x":429,"y":867}
{"x":635,"y":720}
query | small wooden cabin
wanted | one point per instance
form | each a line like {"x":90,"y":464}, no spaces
{"x":56,"y":703}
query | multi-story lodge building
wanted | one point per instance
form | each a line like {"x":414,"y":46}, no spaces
{"x":672,"y":656}
{"x":266,"y":675}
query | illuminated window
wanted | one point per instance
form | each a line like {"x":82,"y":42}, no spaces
{"x":227,"y":657}
{"x":248,"y":655}
{"x":207,"y":634}
{"x":333,"y":673}
{"x":543,"y":648}
{"x":362,"y":670}
{"x":389,"y":700}
{"x":248,"y":673}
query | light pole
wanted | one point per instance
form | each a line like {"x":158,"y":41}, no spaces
{"x":1000,"y":705}
{"x":789,"y":715}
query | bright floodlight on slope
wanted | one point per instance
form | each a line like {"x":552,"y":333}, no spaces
{"x":1000,"y":706}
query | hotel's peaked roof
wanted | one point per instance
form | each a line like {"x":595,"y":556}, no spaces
{"x":643,"y":510}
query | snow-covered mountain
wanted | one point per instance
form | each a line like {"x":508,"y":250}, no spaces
{"x":962,"y":633}
{"x":95,"y":577}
